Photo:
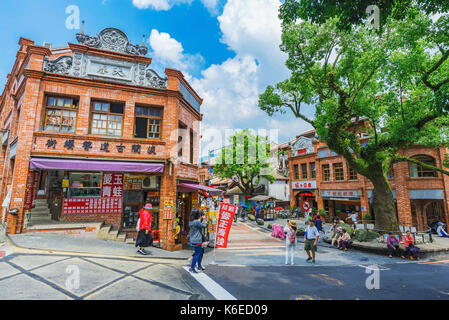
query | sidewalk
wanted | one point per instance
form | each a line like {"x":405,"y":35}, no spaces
{"x":77,"y":244}
{"x":437,"y":247}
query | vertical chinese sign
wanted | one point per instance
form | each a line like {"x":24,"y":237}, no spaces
{"x":29,"y":194}
{"x":168,"y":210}
{"x":226,"y":216}
{"x":112,"y":191}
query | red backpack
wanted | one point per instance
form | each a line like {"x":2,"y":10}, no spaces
{"x":292,"y":237}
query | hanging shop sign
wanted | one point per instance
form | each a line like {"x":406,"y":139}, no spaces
{"x":304,"y":185}
{"x":327,"y":194}
{"x":226,"y":216}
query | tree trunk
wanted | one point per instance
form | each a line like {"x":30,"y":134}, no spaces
{"x":383,"y":204}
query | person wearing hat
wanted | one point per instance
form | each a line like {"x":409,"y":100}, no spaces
{"x":339,"y":232}
{"x":144,"y":237}
{"x":440,"y":230}
{"x":290,"y":240}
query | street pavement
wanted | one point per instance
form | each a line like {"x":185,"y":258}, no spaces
{"x":251,"y":267}
{"x":256,"y":270}
{"x":39,"y":276}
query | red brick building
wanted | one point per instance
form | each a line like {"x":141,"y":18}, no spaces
{"x":94,"y":131}
{"x":323,"y":177}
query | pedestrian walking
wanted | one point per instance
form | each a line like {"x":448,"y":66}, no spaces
{"x":290,"y":240}
{"x":144,"y":237}
{"x":311,"y":240}
{"x":353,"y":217}
{"x":196,"y":234}
{"x":243,"y":212}
{"x":257,"y":210}
{"x":318,"y":222}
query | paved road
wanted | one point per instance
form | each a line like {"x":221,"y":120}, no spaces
{"x":396,"y":281}
{"x":54,"y":277}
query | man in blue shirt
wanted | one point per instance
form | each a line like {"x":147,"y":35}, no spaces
{"x":310,"y":240}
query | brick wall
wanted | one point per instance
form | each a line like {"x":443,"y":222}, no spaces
{"x":32,"y":140}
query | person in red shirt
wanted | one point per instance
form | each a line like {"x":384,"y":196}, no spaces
{"x":144,"y":237}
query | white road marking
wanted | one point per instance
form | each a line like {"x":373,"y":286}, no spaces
{"x":246,"y":248}
{"x":379,"y":267}
{"x":211,"y":286}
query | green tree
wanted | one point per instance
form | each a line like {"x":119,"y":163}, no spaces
{"x":354,"y":12}
{"x":247,"y":159}
{"x":392,"y":85}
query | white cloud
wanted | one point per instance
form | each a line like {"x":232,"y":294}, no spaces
{"x":159,"y":5}
{"x":165,"y":5}
{"x":211,"y":5}
{"x":230,"y":90}
{"x":169,"y":52}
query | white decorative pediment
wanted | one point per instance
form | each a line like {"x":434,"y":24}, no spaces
{"x":94,"y":67}
{"x":302,"y":146}
{"x":112,"y":39}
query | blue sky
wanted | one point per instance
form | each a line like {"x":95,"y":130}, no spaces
{"x":227,"y":49}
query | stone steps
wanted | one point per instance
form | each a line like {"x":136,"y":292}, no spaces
{"x":106,"y":232}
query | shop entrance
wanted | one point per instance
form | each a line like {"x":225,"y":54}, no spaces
{"x":183,"y":208}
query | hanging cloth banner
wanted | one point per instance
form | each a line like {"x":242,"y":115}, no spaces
{"x":226,"y":216}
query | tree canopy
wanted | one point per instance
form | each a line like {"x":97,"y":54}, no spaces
{"x":393,"y":85}
{"x":246,"y":159}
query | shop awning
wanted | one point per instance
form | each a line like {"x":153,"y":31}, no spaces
{"x":95,"y":165}
{"x":189,"y":187}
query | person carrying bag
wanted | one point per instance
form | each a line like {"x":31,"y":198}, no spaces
{"x":144,"y":236}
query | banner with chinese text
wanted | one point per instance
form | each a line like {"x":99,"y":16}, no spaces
{"x":226,"y":216}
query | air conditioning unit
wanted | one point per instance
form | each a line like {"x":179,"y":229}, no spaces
{"x":149,"y":182}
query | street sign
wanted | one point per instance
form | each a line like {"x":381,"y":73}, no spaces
{"x":306,"y":205}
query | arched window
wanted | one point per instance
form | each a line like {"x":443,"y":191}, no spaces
{"x":418,"y":171}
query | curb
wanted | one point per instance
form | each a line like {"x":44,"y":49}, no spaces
{"x":93,"y":253}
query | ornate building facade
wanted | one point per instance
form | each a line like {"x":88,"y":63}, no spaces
{"x":91,"y":133}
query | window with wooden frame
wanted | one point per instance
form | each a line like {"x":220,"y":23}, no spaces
{"x":352,"y":175}
{"x":182,"y":128}
{"x":312,"y":170}
{"x":304,"y":170}
{"x":296,"y":171}
{"x":148,"y":122}
{"x":326,"y":172}
{"x":107,"y":118}
{"x":60,"y":114}
{"x":418,"y":171}
{"x":338,"y":171}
